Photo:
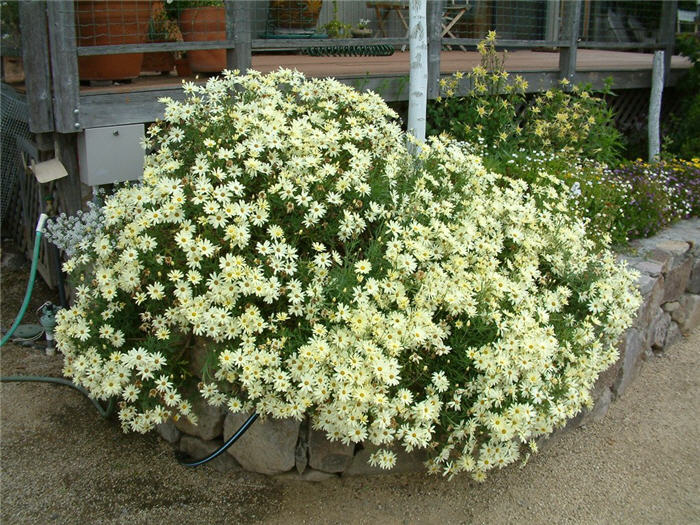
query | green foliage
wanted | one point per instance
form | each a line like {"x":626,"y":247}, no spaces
{"x":684,"y":138}
{"x":487,"y":115}
{"x":335,"y":28}
{"x":496,"y":116}
{"x":9,"y":23}
{"x":575,"y":123}
{"x":635,"y":199}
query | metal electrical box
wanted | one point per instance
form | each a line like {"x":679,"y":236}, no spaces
{"x":111,"y":154}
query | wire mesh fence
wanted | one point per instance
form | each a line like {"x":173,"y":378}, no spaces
{"x":185,"y":25}
{"x":621,"y":21}
{"x":13,"y":114}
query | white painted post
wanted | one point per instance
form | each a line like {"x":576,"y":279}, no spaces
{"x":418,"y":80}
{"x":657,"y":87}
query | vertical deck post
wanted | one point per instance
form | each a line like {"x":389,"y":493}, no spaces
{"x":418,"y":79}
{"x":238,"y":21}
{"x":434,"y":47}
{"x":64,"y":66}
{"x":657,"y":87}
{"x":35,"y":56}
{"x":567,"y":55}
{"x":667,"y":33}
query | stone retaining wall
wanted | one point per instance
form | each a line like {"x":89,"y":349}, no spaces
{"x":669,"y":266}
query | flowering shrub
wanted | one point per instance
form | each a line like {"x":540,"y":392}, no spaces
{"x":489,"y":114}
{"x":415,"y":303}
{"x":658,"y":194}
{"x":636,"y":199}
{"x":496,"y":116}
{"x":574,"y":124}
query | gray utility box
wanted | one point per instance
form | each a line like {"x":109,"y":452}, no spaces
{"x":111,"y":154}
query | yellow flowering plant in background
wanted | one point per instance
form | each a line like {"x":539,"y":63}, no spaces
{"x":411,"y":302}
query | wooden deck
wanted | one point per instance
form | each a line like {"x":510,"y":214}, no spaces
{"x":137,"y":101}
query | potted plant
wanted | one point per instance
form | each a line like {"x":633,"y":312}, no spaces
{"x":161,"y":28}
{"x":335,"y":28}
{"x":203,"y":21}
{"x":111,"y":22}
{"x":294,"y":16}
{"x":362,"y":30}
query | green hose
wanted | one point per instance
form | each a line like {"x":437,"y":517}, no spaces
{"x":27,"y":296}
{"x":104,"y":412}
{"x":32,"y":277}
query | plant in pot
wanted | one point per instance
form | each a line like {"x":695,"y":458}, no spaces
{"x":362,"y":30}
{"x":111,"y":22}
{"x":203,"y":21}
{"x":335,"y":28}
{"x":294,"y":17}
{"x":161,"y":28}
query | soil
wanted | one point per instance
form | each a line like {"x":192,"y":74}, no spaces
{"x":62,"y":463}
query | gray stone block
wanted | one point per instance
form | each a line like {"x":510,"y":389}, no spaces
{"x":611,"y":376}
{"x":301,"y":452}
{"x":651,"y":268}
{"x":671,"y":306}
{"x":673,"y":335}
{"x":690,"y":306}
{"x":694,"y":280}
{"x":646,"y":283}
{"x":405,"y":462}
{"x":661,"y":257}
{"x":656,"y":334}
{"x":651,"y":302}
{"x":600,"y":408}
{"x":326,"y":455}
{"x":677,"y":250}
{"x":169,"y":432}
{"x":268,"y":447}
{"x":632,"y":362}
{"x":198,"y":449}
{"x":197,"y":355}
{"x":210,"y":420}
{"x":676,"y":280}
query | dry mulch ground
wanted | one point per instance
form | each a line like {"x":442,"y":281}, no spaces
{"x":61,"y":463}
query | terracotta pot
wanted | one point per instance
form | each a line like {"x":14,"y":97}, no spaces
{"x":161,"y":61}
{"x":111,"y":22}
{"x":182,"y":67}
{"x":295,"y":14}
{"x":204,"y":24}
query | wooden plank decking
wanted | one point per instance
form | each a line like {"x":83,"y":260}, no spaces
{"x":137,"y":101}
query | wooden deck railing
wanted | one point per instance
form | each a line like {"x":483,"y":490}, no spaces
{"x":54,"y":92}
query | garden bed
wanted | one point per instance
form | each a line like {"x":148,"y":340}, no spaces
{"x":669,"y":280}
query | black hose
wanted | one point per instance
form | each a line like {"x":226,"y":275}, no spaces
{"x":104,"y":412}
{"x":185,"y":460}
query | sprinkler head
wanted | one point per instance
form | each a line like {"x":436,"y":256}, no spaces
{"x":47,"y":317}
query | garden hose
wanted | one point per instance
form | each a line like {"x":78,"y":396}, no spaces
{"x":25,"y":304}
{"x":185,"y":460}
{"x":48,"y":324}
{"x":104,"y":412}
{"x":377,"y":50}
{"x":32,"y":277}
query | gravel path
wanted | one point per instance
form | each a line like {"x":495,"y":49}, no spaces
{"x":61,"y":463}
